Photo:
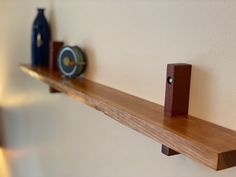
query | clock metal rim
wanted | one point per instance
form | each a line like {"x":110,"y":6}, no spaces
{"x":78,"y":58}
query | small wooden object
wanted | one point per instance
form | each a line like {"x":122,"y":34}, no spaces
{"x":177,"y":94}
{"x":55,"y":49}
{"x":177,"y":89}
{"x":168,"y":151}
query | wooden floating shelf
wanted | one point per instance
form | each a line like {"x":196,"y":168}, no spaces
{"x":205,"y":142}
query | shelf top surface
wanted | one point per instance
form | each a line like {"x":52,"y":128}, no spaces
{"x":150,"y":116}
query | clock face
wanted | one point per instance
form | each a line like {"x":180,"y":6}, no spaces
{"x":71,"y":61}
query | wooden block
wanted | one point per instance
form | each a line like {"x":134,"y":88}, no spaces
{"x":55,"y":49}
{"x":53,"y":90}
{"x":177,"y":89}
{"x":177,"y":94}
{"x":167,"y":151}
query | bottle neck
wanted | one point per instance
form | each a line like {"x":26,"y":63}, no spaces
{"x":41,"y":11}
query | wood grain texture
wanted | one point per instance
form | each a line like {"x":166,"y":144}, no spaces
{"x":205,"y":142}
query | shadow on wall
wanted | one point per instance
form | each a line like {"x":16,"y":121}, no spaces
{"x":201,"y":81}
{"x":52,"y":23}
{"x":91,"y":60}
{"x":87,"y":47}
{"x":4,"y":164}
{"x":2,"y":137}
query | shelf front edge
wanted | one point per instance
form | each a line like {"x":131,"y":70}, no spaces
{"x":161,"y":131}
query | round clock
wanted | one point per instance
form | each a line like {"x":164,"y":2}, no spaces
{"x":71,"y":61}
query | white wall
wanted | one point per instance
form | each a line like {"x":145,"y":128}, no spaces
{"x":129,"y":44}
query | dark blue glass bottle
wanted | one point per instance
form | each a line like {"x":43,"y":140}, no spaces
{"x":41,"y":37}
